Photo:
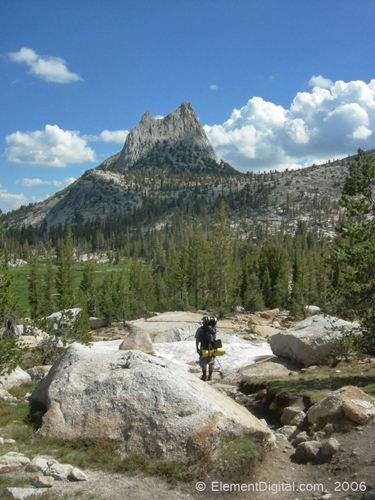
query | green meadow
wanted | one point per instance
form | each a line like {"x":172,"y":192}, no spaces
{"x":21,"y":275}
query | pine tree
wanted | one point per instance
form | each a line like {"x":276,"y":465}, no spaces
{"x":250,"y":291}
{"x":298,"y":291}
{"x":221,"y":278}
{"x":10,"y":352}
{"x":107,"y":291}
{"x":181,"y":272}
{"x":122,"y":294}
{"x":173,"y":259}
{"x":198,"y":266}
{"x":34,"y":285}
{"x":81,"y":331}
{"x":353,"y":254}
{"x":47,"y":307}
{"x":88,"y":287}
{"x":65,"y":272}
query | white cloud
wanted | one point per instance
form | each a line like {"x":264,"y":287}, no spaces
{"x":50,"y":69}
{"x":116,"y":136}
{"x":62,"y":183}
{"x":320,"y":81}
{"x":331,"y":121}
{"x":69,"y":180}
{"x":13,"y":200}
{"x":32,"y":182}
{"x":214,"y":87}
{"x":52,"y":147}
{"x":361,"y":132}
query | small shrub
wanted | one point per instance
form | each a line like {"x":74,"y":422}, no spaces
{"x":348,"y":344}
{"x":236,"y":451}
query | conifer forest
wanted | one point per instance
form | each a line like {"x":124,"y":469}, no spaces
{"x":205,"y":260}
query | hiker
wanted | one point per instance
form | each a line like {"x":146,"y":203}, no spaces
{"x":204,"y":338}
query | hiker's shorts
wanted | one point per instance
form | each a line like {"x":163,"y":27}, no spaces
{"x":203,"y":362}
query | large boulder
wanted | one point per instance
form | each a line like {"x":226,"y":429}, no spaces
{"x":311,"y":341}
{"x":350,"y":401}
{"x":14,"y":379}
{"x":96,"y":323}
{"x":137,"y":340}
{"x":153,"y":406}
{"x":12,"y":461}
{"x":65,"y":317}
{"x":312,"y":310}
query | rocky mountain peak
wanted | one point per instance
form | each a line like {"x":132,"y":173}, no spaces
{"x":156,"y":143}
{"x":145,"y":117}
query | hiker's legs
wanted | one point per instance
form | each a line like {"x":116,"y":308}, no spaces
{"x":203,"y":364}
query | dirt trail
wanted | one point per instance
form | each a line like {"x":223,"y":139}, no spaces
{"x":275,"y":476}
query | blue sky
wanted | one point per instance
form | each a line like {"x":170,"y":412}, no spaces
{"x":276,"y":83}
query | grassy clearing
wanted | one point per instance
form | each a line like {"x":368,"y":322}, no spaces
{"x":21,"y":274}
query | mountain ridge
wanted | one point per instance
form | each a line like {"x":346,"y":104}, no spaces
{"x":272,"y":198}
{"x":167,"y":166}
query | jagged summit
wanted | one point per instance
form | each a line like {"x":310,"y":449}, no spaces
{"x":175,"y":141}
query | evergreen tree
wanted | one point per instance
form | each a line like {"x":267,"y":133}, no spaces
{"x":88,"y":287}
{"x":10,"y":352}
{"x":353,"y":254}
{"x":298,"y":299}
{"x":47,"y":287}
{"x":122,"y":294}
{"x":273,"y":274}
{"x":107,"y":292}
{"x":221,"y":279}
{"x":81,"y":332}
{"x":34,"y":285}
{"x":181,"y":272}
{"x":267,"y":288}
{"x":198,"y":266}
{"x":250,"y":291}
{"x":162,"y":297}
{"x":65,"y":272}
{"x":171,"y":270}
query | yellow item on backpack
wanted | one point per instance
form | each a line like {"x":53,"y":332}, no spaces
{"x":220,"y":351}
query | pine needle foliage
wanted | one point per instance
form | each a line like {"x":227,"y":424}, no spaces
{"x":353,"y":254}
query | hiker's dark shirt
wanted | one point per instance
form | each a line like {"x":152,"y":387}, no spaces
{"x":202,"y":335}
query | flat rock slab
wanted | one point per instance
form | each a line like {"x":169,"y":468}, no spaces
{"x":174,"y":316}
{"x":270,"y":367}
{"x":169,"y":327}
{"x":266,"y":330}
{"x":24,"y":493}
